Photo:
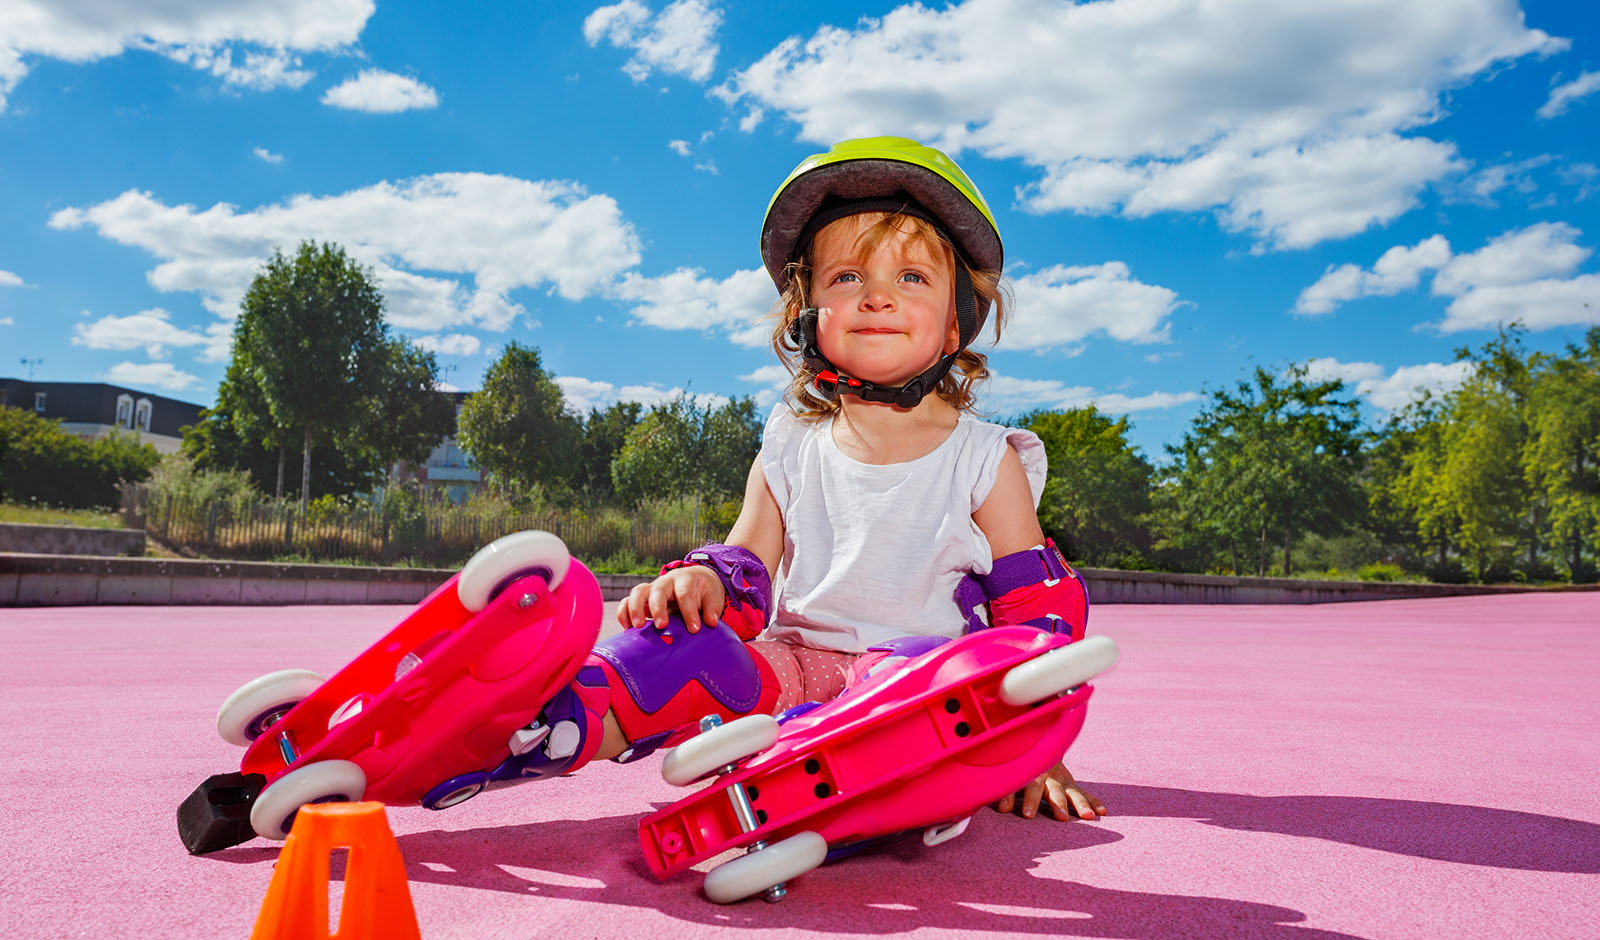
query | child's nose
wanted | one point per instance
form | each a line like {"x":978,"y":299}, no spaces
{"x":877,"y":297}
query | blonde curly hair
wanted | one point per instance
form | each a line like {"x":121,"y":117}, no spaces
{"x":958,"y":387}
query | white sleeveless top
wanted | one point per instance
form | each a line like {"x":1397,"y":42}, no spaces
{"x":875,"y":552}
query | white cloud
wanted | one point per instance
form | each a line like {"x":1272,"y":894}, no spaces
{"x":1007,"y":395}
{"x":1538,"y":305}
{"x":582,"y":395}
{"x":1546,"y":249}
{"x":247,"y":43}
{"x":679,"y":147}
{"x":1483,"y":183}
{"x":7,"y":279}
{"x":150,"y":375}
{"x":276,"y":159}
{"x":1562,"y":96}
{"x":773,"y":380}
{"x":506,"y":233}
{"x":150,"y":330}
{"x":1288,"y":120}
{"x":1582,"y":175}
{"x":680,"y":40}
{"x":7,"y":321}
{"x":257,"y":71}
{"x":378,"y":92}
{"x":1391,"y":391}
{"x":688,"y":300}
{"x":219,"y":343}
{"x":1399,"y":269}
{"x":1061,"y":305}
{"x":1525,"y":275}
{"x":451,"y":344}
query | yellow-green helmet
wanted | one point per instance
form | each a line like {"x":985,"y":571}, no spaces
{"x":881,"y":174}
{"x":869,"y":173}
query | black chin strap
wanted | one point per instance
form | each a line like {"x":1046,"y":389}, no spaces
{"x":830,"y":383}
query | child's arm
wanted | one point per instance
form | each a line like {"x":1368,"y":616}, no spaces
{"x":1008,"y":520}
{"x":695,"y":590}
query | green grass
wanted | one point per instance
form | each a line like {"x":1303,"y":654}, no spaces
{"x":45,"y":515}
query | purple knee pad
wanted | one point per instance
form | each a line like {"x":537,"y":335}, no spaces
{"x":665,"y":679}
{"x":655,"y":664}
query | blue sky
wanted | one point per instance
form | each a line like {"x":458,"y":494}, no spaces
{"x":1185,"y":190}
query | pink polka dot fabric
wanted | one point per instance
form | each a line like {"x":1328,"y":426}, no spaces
{"x":804,"y":674}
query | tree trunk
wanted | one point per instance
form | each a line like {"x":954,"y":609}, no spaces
{"x":1288,"y":543}
{"x":281,"y":449}
{"x":305,"y":472}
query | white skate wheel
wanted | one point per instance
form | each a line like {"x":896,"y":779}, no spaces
{"x":757,"y":871}
{"x":710,"y":751}
{"x":508,"y":557}
{"x":1058,"y":670}
{"x":325,"y":781}
{"x":246,"y":713}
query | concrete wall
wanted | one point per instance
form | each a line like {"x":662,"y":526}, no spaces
{"x":36,"y":580}
{"x":69,"y":540}
{"x":1110,"y":586}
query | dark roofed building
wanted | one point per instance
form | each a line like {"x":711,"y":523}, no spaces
{"x":91,"y":410}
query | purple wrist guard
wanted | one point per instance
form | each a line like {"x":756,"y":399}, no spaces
{"x":744,"y":579}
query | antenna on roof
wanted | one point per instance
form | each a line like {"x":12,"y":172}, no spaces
{"x":30,"y":364}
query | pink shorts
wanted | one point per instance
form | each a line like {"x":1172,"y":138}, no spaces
{"x":805,"y":674}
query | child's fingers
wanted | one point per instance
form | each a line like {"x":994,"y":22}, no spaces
{"x":662,"y":591}
{"x":1005,"y":803}
{"x":689,"y":600}
{"x":1031,"y":797}
{"x":630,"y":613}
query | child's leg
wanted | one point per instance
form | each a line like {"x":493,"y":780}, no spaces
{"x":644,"y":688}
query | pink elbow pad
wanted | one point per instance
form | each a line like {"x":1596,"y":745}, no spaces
{"x":1035,"y":588}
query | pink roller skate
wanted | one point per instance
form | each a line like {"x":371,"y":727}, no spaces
{"x":921,"y":742}
{"x":443,"y":706}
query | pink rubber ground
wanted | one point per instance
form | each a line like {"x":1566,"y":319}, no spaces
{"x":1384,"y":769}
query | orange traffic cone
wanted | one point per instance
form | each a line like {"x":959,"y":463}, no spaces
{"x":377,"y":900}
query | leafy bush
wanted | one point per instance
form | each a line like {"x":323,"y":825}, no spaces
{"x":41,"y":463}
{"x":1380,"y":571}
{"x":176,"y":477}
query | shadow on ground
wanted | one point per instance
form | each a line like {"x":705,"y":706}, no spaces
{"x":1467,"y":835}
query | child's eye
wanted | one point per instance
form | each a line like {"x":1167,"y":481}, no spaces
{"x":914,"y":277}
{"x":845,"y":277}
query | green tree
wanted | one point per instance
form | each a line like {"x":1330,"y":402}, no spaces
{"x":1562,"y":458}
{"x":681,"y":448}
{"x":1481,"y":475}
{"x":1265,"y":463}
{"x":604,"y":433}
{"x":407,"y":415}
{"x":1097,"y":495}
{"x":313,"y":339}
{"x":517,"y":428}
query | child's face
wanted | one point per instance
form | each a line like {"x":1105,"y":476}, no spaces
{"x":887,"y":315}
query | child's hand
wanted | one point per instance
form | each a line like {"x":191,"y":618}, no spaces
{"x":694,"y":591}
{"x":1060,"y":792}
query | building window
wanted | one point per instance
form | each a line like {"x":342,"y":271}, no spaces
{"x":142,"y":415}
{"x":124,"y":411}
{"x":38,"y":402}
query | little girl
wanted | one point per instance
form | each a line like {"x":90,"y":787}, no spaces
{"x":888,"y":512}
